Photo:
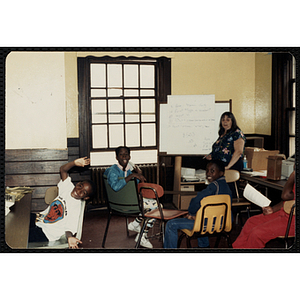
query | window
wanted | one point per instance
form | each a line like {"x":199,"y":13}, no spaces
{"x":292,"y":110}
{"x":283,"y":102}
{"x":118,"y":105}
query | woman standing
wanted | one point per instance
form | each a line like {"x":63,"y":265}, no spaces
{"x":230,"y":145}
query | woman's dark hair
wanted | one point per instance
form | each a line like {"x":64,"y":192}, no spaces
{"x":122,"y":147}
{"x":220,"y":165}
{"x":234,"y":126}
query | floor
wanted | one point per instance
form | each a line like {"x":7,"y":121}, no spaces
{"x":95,"y":222}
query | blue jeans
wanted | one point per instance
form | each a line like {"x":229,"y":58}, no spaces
{"x":171,"y":232}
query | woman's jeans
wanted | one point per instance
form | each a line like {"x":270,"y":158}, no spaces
{"x":171,"y":232}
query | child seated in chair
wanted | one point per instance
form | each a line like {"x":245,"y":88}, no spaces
{"x":61,"y":217}
{"x":272,"y":223}
{"x":117,"y":177}
{"x":217,"y":186}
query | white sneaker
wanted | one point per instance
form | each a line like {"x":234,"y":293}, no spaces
{"x":144,"y":241}
{"x":133,"y":227}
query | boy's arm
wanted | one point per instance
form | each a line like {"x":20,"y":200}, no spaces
{"x":138,"y":176}
{"x":79,"y":162}
{"x":195,"y":203}
{"x":72,"y":241}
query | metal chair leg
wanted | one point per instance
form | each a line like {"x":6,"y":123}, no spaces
{"x":144,"y":224}
{"x":180,"y":240}
{"x":106,"y":230}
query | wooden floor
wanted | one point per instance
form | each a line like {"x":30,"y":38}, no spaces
{"x":95,"y":222}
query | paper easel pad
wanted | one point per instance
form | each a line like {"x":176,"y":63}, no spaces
{"x":253,"y":195}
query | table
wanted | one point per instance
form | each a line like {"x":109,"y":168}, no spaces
{"x":264,"y":182}
{"x":17,"y":223}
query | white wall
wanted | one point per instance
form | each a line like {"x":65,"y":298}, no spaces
{"x":35,"y":100}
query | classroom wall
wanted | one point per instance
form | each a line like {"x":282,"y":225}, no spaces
{"x":35,"y":100}
{"x":263,"y":93}
{"x":244,"y":77}
{"x":42,"y":93}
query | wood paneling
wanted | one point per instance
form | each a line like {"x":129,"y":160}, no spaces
{"x":39,"y":169}
{"x":35,"y":155}
{"x":36,"y":168}
{"x":33,"y":167}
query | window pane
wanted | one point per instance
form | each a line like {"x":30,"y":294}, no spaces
{"x":132,"y":118}
{"x":114,"y":75}
{"x":103,"y":158}
{"x":294,"y":94}
{"x":143,"y":156}
{"x":132,"y":106}
{"x":147,"y":93}
{"x":130,"y":93}
{"x":147,"y":76}
{"x":148,"y":118}
{"x":99,"y":111}
{"x":99,"y":133}
{"x":98,"y":75}
{"x":132,"y":110}
{"x":115,"y":92}
{"x":115,"y":110}
{"x":292,"y":122}
{"x":148,"y":106}
{"x":98,"y":93}
{"x":148,"y":135}
{"x":132,"y":135}
{"x":130,"y":76}
{"x":292,"y":146}
{"x":116,"y":136}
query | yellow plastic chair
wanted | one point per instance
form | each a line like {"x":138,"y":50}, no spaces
{"x":62,"y":243}
{"x":213,"y":218}
{"x":232,"y":176}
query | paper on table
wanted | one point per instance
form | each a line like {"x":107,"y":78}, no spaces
{"x":253,"y":195}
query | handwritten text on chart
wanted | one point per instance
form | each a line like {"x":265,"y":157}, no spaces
{"x":187,"y":123}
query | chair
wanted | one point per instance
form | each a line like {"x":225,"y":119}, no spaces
{"x":213,"y":218}
{"x":62,"y":243}
{"x":232,"y":176}
{"x":156,"y":191}
{"x":289,"y":208}
{"x":125,"y":203}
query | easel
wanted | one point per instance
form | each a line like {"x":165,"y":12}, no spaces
{"x":178,"y":193}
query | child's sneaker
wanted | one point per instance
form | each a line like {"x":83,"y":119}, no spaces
{"x":134,"y":226}
{"x":144,"y":241}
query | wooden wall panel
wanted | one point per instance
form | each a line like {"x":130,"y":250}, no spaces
{"x":39,"y":169}
{"x":36,"y":168}
{"x":35,"y":154}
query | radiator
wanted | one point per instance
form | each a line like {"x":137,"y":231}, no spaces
{"x":149,"y":171}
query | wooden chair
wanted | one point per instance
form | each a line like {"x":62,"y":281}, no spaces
{"x":125,"y":203}
{"x":62,"y":243}
{"x":213,"y":218}
{"x":156,"y":191}
{"x":232,"y":176}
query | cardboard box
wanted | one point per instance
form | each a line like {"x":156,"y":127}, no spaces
{"x":258,"y":157}
{"x":186,"y":199}
{"x":274,"y":167}
{"x":183,"y":201}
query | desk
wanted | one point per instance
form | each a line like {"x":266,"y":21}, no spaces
{"x":17,"y":223}
{"x":267,"y":183}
